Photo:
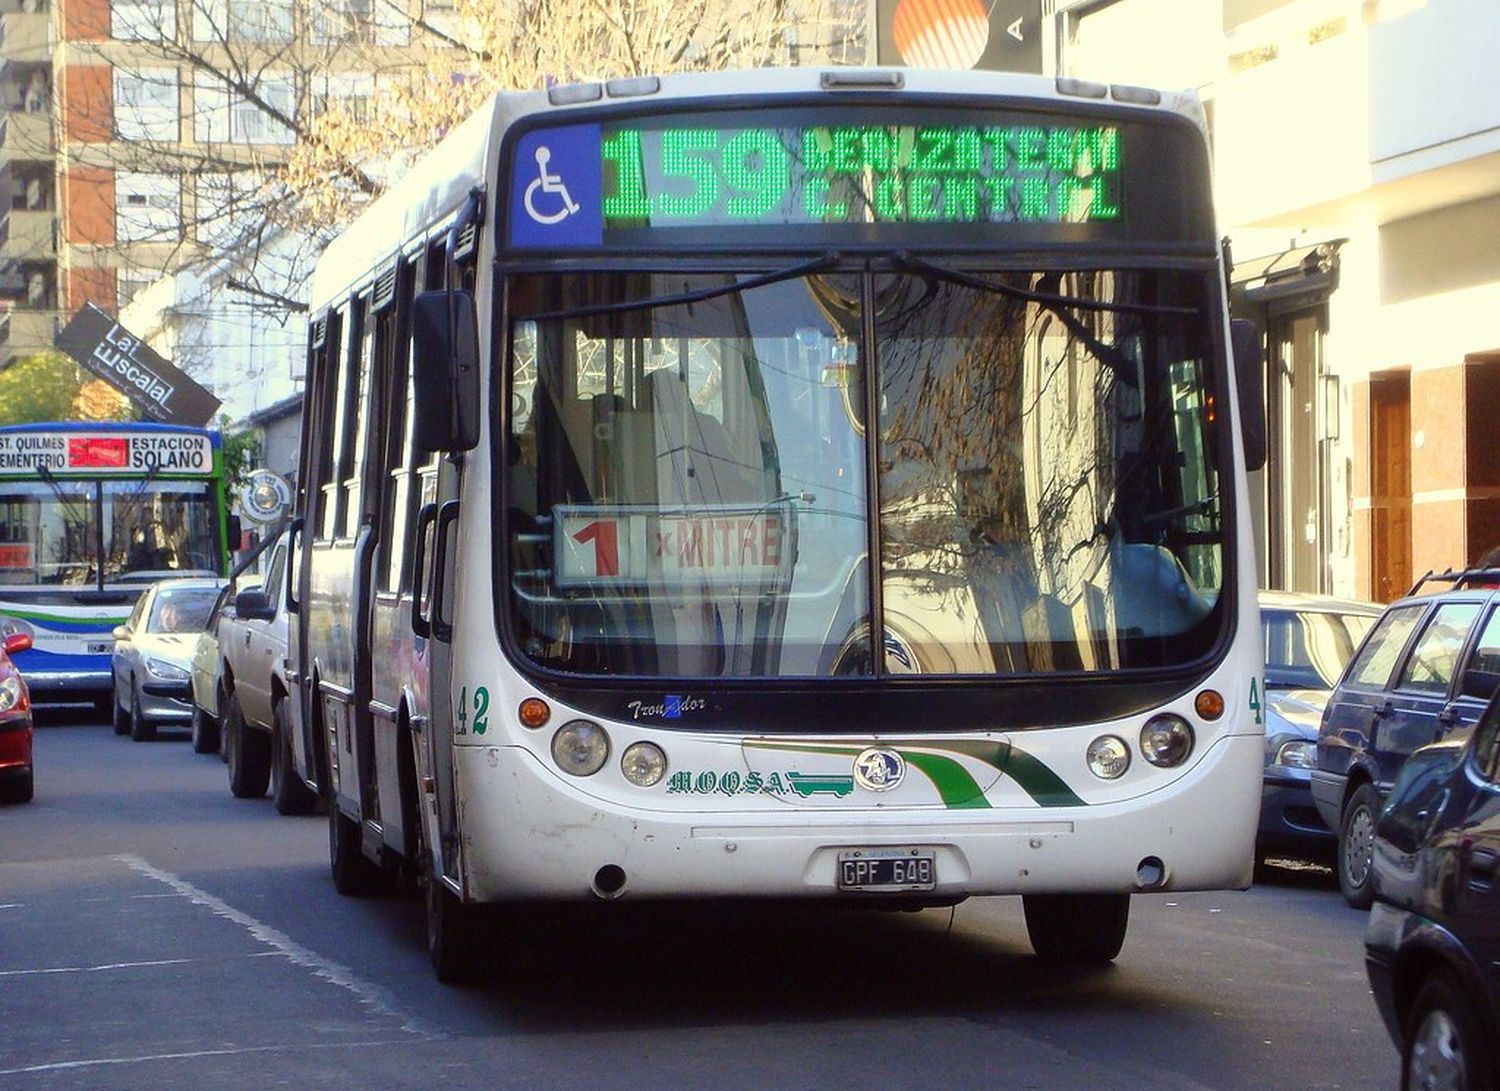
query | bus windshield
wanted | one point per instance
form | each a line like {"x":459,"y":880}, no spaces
{"x":693,"y":489}
{"x":52,"y":532}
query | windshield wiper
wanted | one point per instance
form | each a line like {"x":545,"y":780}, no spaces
{"x":790,"y":273}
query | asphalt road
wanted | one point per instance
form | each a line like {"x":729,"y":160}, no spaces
{"x":158,"y":934}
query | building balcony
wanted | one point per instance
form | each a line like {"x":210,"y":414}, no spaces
{"x":26,"y":35}
{"x":25,"y":136}
{"x":25,"y":333}
{"x":28,"y":236}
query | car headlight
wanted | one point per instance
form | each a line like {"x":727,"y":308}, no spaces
{"x":12,"y":693}
{"x":11,"y":625}
{"x":1297,"y":754}
{"x":167,"y":672}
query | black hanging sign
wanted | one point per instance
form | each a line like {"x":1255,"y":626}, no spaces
{"x":165,"y":393}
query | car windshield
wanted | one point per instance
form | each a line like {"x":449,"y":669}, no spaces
{"x":1308,"y":649}
{"x":181,"y":609}
{"x":689,"y":482}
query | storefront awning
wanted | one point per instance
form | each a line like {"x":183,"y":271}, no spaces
{"x":1311,"y":271}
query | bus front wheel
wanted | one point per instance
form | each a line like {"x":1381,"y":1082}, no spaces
{"x":455,"y":941}
{"x":1077,"y":928}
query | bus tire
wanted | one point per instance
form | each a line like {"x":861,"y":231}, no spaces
{"x":1080,"y":929}
{"x":141,"y":729}
{"x":205,"y":732}
{"x":455,"y":940}
{"x":288,"y":790}
{"x":353,"y":874}
{"x":249,"y":754}
{"x":1356,"y":847}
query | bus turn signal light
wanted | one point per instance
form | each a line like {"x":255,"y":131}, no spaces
{"x":1209,"y":704}
{"x":534,"y":712}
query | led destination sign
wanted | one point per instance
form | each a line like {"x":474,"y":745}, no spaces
{"x":861,"y":174}
{"x":857,"y":174}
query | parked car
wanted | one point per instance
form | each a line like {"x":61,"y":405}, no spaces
{"x":1432,"y":944}
{"x":254,"y":699}
{"x":1424,"y":672}
{"x":206,"y":670}
{"x":1309,"y":639}
{"x":17,"y":769}
{"x":153,"y":653}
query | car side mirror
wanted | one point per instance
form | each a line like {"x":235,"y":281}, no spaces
{"x":253,"y":604}
{"x":1478,"y":683}
{"x":121,"y":632}
{"x":17,"y":642}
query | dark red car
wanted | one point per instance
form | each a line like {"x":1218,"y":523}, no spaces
{"x":17,"y":780}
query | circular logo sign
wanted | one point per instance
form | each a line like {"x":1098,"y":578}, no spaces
{"x":879,"y":769}
{"x":265,"y":497}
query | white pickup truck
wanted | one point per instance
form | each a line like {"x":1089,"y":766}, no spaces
{"x":253,"y":693}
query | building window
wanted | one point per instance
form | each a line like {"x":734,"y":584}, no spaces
{"x":146,"y":106}
{"x":143,"y":20}
{"x":131,"y":284}
{"x":378,"y":21}
{"x":223,"y":116}
{"x":242,"y":20}
{"x":351,"y":91}
{"x":227,"y":206}
{"x":148,"y":207}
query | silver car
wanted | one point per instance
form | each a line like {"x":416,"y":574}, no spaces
{"x":153,"y":656}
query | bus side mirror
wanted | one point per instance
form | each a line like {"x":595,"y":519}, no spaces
{"x":1244,"y":342}
{"x":445,"y":336}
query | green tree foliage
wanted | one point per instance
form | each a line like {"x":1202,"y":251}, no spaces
{"x":43,"y":387}
{"x":241,"y":454}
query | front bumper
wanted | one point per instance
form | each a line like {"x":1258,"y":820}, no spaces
{"x":15,"y":745}
{"x":1383,"y":932}
{"x":528,"y":833}
{"x":166,"y":702}
{"x":1289,"y":819}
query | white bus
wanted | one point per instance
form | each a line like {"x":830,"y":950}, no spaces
{"x":824,"y":484}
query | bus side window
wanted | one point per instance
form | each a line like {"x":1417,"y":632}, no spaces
{"x":394,"y":352}
{"x":357,"y":442}
{"x":331,"y":380}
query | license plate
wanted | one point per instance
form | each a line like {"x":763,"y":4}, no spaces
{"x":887,"y":869}
{"x":101,"y":649}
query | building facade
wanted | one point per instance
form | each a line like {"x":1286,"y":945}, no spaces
{"x":1357,"y":168}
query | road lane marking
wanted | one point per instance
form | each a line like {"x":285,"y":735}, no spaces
{"x":371,"y":996}
{"x":94,"y":1062}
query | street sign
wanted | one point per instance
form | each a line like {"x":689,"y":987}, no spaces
{"x":106,"y":348}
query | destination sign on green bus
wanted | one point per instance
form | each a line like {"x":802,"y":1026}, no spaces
{"x":857,"y":175}
{"x":1048,"y":174}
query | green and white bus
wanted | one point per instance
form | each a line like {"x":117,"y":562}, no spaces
{"x":796,"y":483}
{"x":90,"y":515}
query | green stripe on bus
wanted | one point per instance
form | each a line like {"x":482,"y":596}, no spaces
{"x":37,"y":615}
{"x":953,"y":782}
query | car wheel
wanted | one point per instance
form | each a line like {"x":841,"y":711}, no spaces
{"x":1077,"y":928}
{"x":205,"y":732}
{"x":19,"y":790}
{"x":249,"y":754}
{"x":141,"y":729}
{"x":288,"y":789}
{"x":1443,"y":1045}
{"x":1357,"y":847}
{"x":120,"y":719}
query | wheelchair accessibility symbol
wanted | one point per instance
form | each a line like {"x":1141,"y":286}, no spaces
{"x":552,"y":185}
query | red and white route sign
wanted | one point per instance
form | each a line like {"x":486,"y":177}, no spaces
{"x":717,"y":545}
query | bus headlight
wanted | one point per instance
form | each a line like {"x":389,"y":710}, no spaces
{"x":1108,"y":757}
{"x":1166,"y":740}
{"x":643,"y":764}
{"x":580,"y":747}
